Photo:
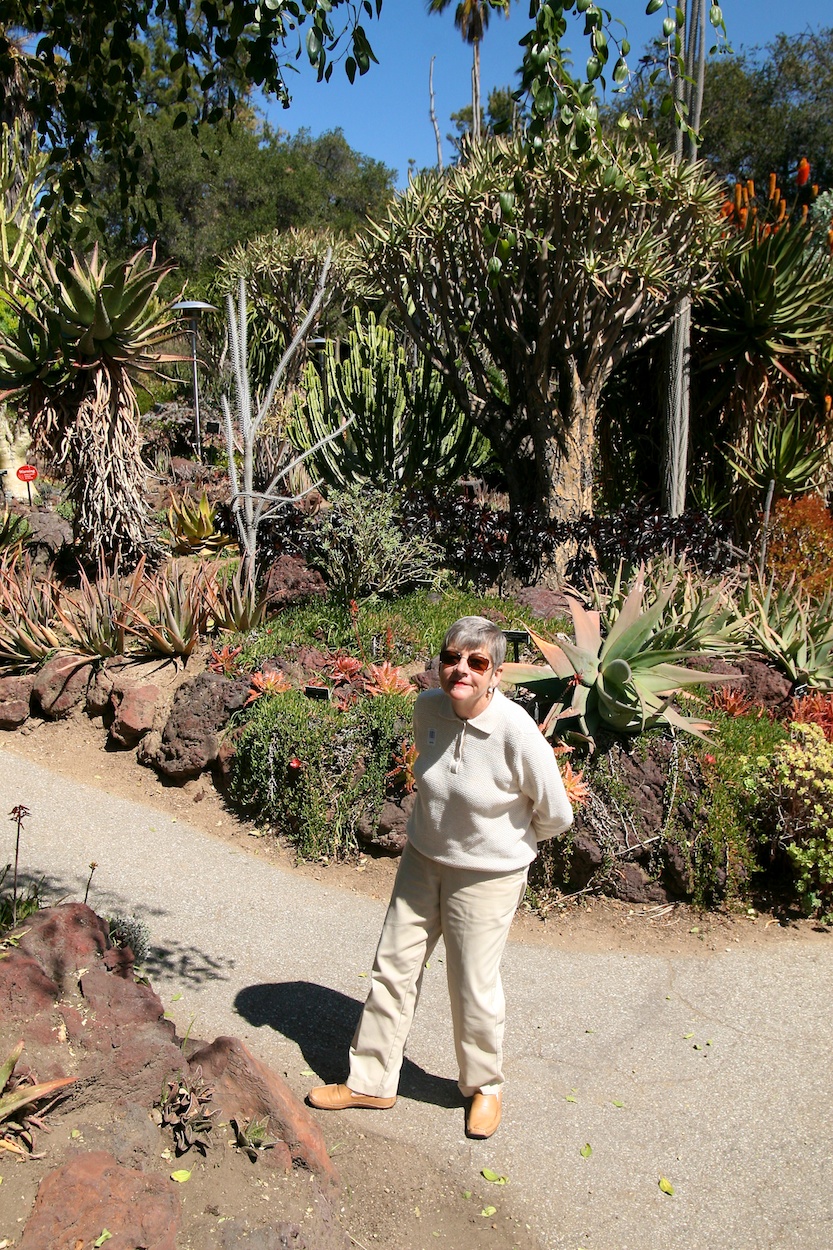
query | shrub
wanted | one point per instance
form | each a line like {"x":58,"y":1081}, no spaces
{"x":801,"y":544}
{"x":796,"y":803}
{"x":361,"y":550}
{"x":318,"y":772}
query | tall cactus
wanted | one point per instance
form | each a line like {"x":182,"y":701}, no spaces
{"x":406,"y":428}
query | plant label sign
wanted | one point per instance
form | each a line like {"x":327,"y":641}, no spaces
{"x":27,"y":473}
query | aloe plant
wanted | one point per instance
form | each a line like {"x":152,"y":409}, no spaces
{"x":783,"y":451}
{"x":28,"y":632}
{"x":98,"y":614}
{"x":624,"y":680}
{"x":177,"y":614}
{"x":236,"y":604}
{"x":792,"y":631}
{"x":193,"y":526}
{"x":85,"y":330}
{"x":15,"y":1095}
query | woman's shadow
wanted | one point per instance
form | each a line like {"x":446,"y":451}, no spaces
{"x":322,"y":1022}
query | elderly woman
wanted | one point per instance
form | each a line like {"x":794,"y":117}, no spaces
{"x":488,"y":790}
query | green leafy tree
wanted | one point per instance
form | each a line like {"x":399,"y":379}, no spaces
{"x":763,"y":109}
{"x":77,"y":66}
{"x":527,"y":284}
{"x":225,"y":185}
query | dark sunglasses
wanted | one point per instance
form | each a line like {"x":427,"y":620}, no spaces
{"x":477,"y":663}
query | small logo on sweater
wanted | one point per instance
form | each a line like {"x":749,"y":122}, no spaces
{"x":432,"y":737}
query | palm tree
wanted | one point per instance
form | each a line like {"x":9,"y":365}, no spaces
{"x":471,"y":18}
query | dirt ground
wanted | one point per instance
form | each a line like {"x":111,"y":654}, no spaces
{"x":391,"y":1198}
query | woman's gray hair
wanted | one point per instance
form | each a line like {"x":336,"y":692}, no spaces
{"x":473,"y":633}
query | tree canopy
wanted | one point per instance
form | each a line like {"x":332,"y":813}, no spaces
{"x":77,"y":70}
{"x":526,"y":285}
{"x":763,"y":110}
{"x":225,"y":184}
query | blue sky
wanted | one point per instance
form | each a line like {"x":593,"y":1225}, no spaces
{"x":385,"y":113}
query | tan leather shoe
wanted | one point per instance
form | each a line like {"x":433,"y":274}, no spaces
{"x":483,"y":1115}
{"x":340,"y":1097}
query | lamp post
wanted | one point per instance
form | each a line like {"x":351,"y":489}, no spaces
{"x":193,"y":308}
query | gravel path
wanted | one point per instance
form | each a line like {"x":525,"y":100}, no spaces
{"x":713,"y":1072}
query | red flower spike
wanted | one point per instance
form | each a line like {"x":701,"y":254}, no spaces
{"x":803,"y":175}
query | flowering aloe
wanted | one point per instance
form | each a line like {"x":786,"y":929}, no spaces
{"x":623,"y":681}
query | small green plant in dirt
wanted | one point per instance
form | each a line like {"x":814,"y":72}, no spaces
{"x":251,"y":1136}
{"x":184,"y":1105}
{"x":361,"y":551}
{"x":130,"y":931}
{"x":317,"y":772}
{"x":795,"y":802}
{"x":19,"y":1095}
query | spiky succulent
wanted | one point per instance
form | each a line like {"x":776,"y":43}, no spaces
{"x":791,"y":630}
{"x":193,"y":528}
{"x":623,"y":681}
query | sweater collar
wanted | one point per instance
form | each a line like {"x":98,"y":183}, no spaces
{"x":485,"y":722}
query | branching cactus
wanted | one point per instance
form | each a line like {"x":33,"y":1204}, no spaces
{"x":407,"y":426}
{"x":251,"y":507}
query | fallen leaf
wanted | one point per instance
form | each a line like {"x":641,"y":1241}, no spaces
{"x":105,"y":1236}
{"x":586,"y":1150}
{"x":488,"y":1211}
{"x":362,"y":974}
{"x":666,"y":1186}
{"x":417,"y":1211}
{"x":697,"y":1046}
{"x":307,"y":1072}
{"x":76,"y":1132}
{"x":176,"y":998}
{"x":493,"y":1178}
{"x":617,"y":1103}
{"x":570,"y":1098}
{"x":180,"y":1176}
{"x":686,"y":1036}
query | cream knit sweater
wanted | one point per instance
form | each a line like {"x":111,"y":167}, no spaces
{"x":488,"y":788}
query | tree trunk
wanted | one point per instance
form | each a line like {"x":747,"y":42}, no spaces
{"x":475,"y":92}
{"x":676,"y":407}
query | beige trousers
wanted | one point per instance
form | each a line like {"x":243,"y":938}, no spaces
{"x":473,"y":912}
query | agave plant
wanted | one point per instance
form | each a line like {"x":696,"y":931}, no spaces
{"x":85,"y":330}
{"x":193,"y":527}
{"x":623,"y":681}
{"x":792,"y":631}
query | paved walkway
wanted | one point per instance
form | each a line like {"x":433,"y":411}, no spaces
{"x":721,"y":1064}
